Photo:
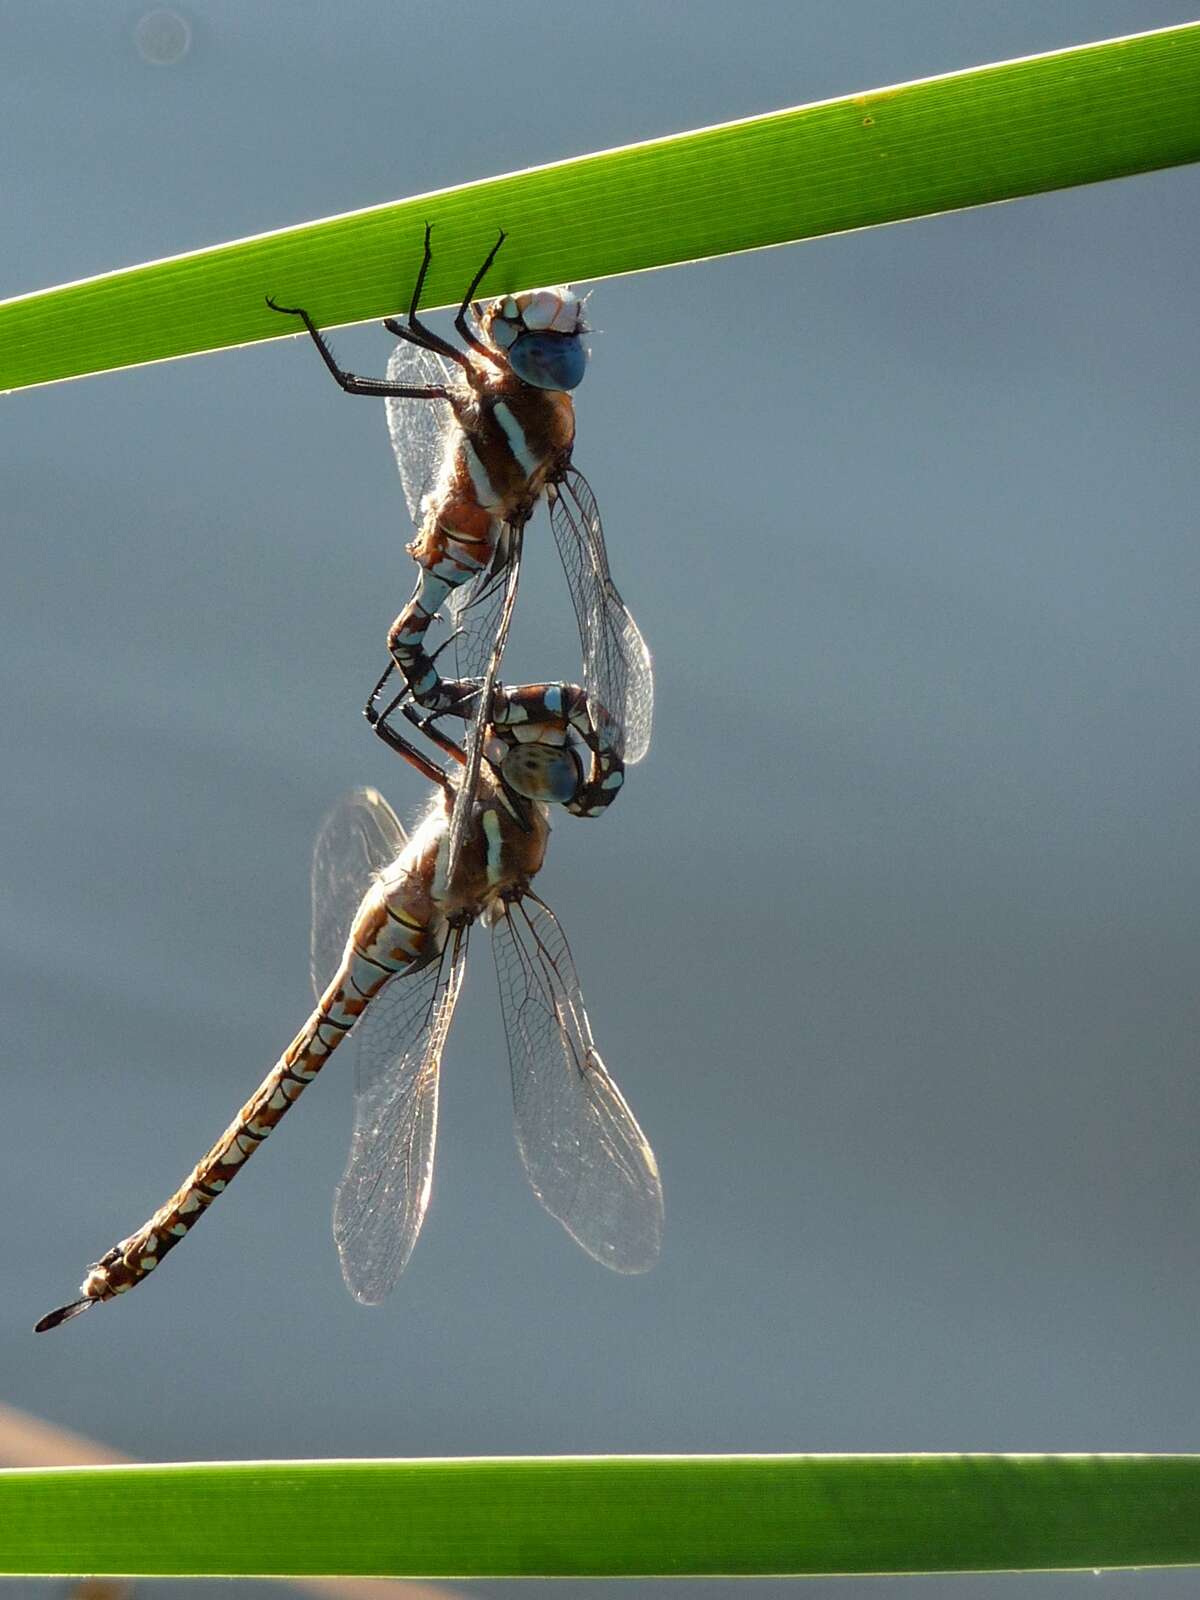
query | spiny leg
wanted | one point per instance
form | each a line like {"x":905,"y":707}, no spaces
{"x":415,"y":758}
{"x":369,"y":710}
{"x":396,"y":741}
{"x":465,"y":333}
{"x":351,"y":382}
{"x":416,"y":331}
{"x":426,"y":724}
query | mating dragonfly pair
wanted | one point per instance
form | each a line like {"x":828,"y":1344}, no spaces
{"x":392,"y":914}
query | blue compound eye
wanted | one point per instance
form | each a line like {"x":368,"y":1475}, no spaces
{"x":549,"y":360}
{"x":551,"y":774}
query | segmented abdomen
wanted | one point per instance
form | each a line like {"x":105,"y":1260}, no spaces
{"x":387,"y":938}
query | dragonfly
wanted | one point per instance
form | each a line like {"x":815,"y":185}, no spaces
{"x":491,"y":438}
{"x":392,"y":927}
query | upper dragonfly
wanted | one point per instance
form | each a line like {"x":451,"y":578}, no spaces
{"x":493,"y":437}
{"x":392,"y":929}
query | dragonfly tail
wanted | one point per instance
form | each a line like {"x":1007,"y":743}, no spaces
{"x":55,"y":1319}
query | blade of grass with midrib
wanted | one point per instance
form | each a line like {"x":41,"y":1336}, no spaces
{"x":1015,"y":128}
{"x":605,"y":1516}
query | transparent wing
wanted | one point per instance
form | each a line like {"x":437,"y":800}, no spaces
{"x":587,"y":1159}
{"x":381,"y":1201}
{"x":418,"y":429}
{"x":464,"y":801}
{"x":616,"y":662}
{"x":360,"y":836}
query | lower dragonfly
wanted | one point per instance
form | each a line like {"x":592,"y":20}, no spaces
{"x":491,"y":438}
{"x":393,"y":927}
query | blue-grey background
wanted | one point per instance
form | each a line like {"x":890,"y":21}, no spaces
{"x":892,"y":940}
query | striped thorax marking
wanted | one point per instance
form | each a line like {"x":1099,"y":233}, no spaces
{"x":495,"y":844}
{"x":525,"y":458}
{"x":486,"y":494}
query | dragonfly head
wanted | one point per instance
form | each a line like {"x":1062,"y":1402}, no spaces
{"x":541,"y":333}
{"x":550,"y":773}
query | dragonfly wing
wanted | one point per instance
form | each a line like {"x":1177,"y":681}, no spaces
{"x":418,"y":428}
{"x":381,"y":1201}
{"x":464,"y":801}
{"x":588,"y":1161}
{"x":358,"y":838}
{"x":616,"y":662}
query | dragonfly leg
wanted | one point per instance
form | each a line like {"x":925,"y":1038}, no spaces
{"x":351,"y":382}
{"x":427,"y":725}
{"x":422,"y":341}
{"x":465,"y":332}
{"x":416,"y":331}
{"x":396,"y":741}
{"x":382,"y":728}
{"x":369,"y":710}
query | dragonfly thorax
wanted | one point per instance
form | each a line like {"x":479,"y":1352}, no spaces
{"x":541,"y":333}
{"x":502,"y":852}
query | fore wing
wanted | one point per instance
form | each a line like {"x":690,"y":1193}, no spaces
{"x":381,"y":1201}
{"x":358,"y":838}
{"x":588,"y":1161}
{"x":616,"y":662}
{"x":418,"y":428}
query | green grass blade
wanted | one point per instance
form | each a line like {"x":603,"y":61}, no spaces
{"x":605,"y":1516}
{"x":971,"y":138}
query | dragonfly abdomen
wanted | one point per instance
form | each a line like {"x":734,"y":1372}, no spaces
{"x":389,"y":936}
